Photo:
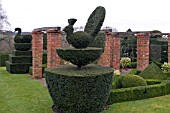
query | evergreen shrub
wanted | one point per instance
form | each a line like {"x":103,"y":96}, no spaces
{"x":22,"y":46}
{"x":18,"y":68}
{"x":22,"y":53}
{"x":79,"y":57}
{"x":3,"y":58}
{"x":141,"y":92}
{"x":95,"y":21}
{"x":152,"y":71}
{"x":82,"y":90}
{"x":25,"y":39}
{"x":134,"y":72}
{"x":20,"y":59}
{"x":132,"y":81}
{"x":80,"y":39}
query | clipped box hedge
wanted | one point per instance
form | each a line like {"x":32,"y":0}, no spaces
{"x":18,"y":68}
{"x":141,"y":92}
{"x":22,"y":53}
{"x":3,"y":58}
{"x":20,"y":59}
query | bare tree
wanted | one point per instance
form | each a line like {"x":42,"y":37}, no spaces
{"x":4,"y":24}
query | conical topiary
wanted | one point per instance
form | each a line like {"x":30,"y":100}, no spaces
{"x":152,"y":71}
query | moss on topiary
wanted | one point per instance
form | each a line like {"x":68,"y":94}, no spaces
{"x":95,"y":21}
{"x":152,"y":71}
{"x":79,"y":91}
{"x":80,"y":57}
{"x":133,"y":81}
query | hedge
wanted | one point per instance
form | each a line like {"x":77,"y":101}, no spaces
{"x":141,"y":92}
{"x":18,"y":68}
{"x":3,"y":58}
{"x":20,"y":59}
{"x":79,"y":90}
{"x":22,"y":53}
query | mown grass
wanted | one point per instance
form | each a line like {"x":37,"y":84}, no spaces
{"x":21,"y":94}
{"x":151,"y":105}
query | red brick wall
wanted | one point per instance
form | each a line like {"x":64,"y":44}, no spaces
{"x":106,"y":57}
{"x":37,"y":51}
{"x":116,"y":52}
{"x":54,"y":38}
{"x":111,"y":55}
{"x":142,"y":50}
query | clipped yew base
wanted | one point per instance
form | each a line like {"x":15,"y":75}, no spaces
{"x":84,"y":90}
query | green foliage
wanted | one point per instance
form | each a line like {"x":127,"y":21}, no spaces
{"x":19,"y":68}
{"x":79,"y":57}
{"x":80,"y":39}
{"x":79,"y":91}
{"x":22,"y":46}
{"x":20,"y":59}
{"x":95,"y":21}
{"x":142,"y":92}
{"x":158,"y":64}
{"x":134,"y":72}
{"x":26,"y":39}
{"x":152,"y":81}
{"x":132,"y":65}
{"x":124,"y":61}
{"x":44,"y":57}
{"x":22,"y":38}
{"x":152,"y":71}
{"x":132,"y":81}
{"x":45,"y":41}
{"x":117,"y":82}
{"x":99,"y":41}
{"x":165,"y":67}
{"x":18,"y":35}
{"x":3,"y":58}
{"x":22,"y":53}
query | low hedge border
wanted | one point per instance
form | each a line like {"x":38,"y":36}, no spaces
{"x":141,"y":92}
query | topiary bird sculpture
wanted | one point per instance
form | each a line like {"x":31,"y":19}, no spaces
{"x":82,"y":39}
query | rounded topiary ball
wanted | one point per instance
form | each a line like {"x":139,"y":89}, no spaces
{"x":80,"y":39}
{"x":133,"y":81}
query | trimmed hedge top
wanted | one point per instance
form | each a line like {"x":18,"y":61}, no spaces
{"x":89,"y":70}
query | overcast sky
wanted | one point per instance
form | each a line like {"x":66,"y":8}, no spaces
{"x":139,"y":15}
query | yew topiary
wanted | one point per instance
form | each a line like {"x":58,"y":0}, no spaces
{"x":152,"y":71}
{"x":83,"y":88}
{"x":95,"y":21}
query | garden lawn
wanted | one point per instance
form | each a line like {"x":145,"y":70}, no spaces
{"x":151,"y":105}
{"x":21,"y":94}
